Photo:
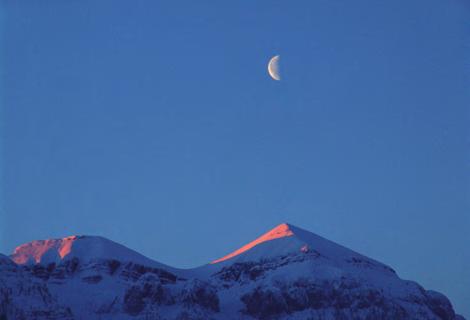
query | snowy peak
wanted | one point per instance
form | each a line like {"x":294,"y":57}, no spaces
{"x":281,"y":231}
{"x":286,"y":239}
{"x":39,"y":250}
{"x":85,"y":248}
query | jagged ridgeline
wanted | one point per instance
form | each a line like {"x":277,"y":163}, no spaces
{"x":287,"y":273}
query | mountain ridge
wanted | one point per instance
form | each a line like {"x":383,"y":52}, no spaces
{"x":286,"y":273}
{"x":84,"y":246}
{"x":39,"y":251}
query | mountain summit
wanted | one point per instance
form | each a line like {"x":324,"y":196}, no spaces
{"x":287,"y":239}
{"x":84,"y":248}
{"x":281,"y":231}
{"x":286,"y":274}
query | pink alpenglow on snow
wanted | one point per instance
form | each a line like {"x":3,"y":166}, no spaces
{"x":36,"y":250}
{"x":84,"y":248}
{"x":281,"y":231}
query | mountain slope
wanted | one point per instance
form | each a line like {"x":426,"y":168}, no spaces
{"x":287,"y":239}
{"x":287,"y":273}
{"x":84,"y":248}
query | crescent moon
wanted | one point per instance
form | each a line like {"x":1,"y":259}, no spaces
{"x":274,"y":69}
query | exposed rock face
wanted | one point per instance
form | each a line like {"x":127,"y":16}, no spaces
{"x":148,"y":290}
{"x":23,"y":297}
{"x":345,"y":299}
{"x":288,"y":273}
{"x":201,"y":294}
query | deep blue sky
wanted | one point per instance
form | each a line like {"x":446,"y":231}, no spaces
{"x":155,"y":124}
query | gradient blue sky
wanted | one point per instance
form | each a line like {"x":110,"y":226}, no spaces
{"x":155,"y":124}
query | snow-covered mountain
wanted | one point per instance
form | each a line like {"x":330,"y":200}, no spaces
{"x":85,"y":248}
{"x":287,"y":273}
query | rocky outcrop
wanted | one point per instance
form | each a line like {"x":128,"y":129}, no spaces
{"x":341,"y":300}
{"x":22,"y":297}
{"x":201,"y":294}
